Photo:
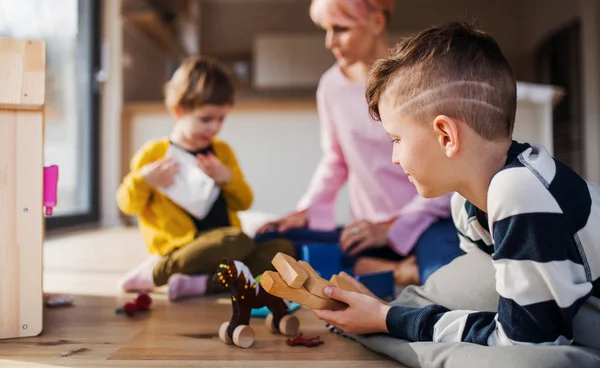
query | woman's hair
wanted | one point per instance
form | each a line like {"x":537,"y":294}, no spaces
{"x":348,"y":13}
{"x":197,"y":82}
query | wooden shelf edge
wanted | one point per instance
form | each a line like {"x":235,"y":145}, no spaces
{"x":241,"y":105}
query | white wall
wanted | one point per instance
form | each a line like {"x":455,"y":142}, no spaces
{"x":281,"y":60}
{"x":278,"y":150}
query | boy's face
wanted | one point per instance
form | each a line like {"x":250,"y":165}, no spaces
{"x":200,"y":126}
{"x":417,"y":149}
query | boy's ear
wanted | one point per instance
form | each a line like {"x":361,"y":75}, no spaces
{"x":446,"y":129}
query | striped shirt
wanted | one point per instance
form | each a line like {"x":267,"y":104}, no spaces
{"x":542,"y":231}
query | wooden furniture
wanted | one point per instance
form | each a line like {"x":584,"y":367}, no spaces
{"x":22,"y":96}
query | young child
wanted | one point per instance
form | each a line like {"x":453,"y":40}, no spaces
{"x":186,"y":250}
{"x":447,"y":98}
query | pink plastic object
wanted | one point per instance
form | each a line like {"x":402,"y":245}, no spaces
{"x":50,"y":184}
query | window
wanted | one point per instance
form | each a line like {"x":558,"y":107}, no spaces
{"x":71,"y":29}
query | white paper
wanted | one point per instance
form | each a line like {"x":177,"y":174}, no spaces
{"x":192,"y":188}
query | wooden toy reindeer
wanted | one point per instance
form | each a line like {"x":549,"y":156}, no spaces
{"x":246,"y":294}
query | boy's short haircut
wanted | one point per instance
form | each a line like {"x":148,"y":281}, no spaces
{"x":452,"y":69}
{"x":197,"y":82}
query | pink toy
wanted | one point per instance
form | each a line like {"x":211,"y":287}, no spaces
{"x":50,"y":183}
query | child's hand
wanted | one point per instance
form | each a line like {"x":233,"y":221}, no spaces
{"x":214,"y":168}
{"x":359,"y":285}
{"x":160,"y":173}
{"x":364,"y":314}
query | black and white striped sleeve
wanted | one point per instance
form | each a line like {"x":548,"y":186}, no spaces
{"x":541,"y":276}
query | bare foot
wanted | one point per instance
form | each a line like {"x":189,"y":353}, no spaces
{"x":407,"y":272}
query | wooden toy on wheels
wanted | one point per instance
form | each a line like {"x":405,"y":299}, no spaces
{"x":247,"y":294}
{"x":298,"y":282}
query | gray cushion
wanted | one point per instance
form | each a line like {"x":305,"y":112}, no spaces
{"x":468,"y":283}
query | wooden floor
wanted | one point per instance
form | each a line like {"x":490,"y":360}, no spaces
{"x":87,"y":266}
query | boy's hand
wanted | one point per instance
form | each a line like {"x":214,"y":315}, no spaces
{"x":160,"y":173}
{"x":364,"y":234}
{"x":214,"y":168}
{"x":363,"y":315}
{"x":359,"y":285}
{"x":295,"y":220}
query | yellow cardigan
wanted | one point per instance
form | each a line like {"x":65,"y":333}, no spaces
{"x":164,"y":225}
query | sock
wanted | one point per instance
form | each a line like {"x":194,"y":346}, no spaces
{"x":181,"y":286}
{"x":140,"y":278}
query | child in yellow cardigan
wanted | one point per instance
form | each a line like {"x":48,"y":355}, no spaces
{"x":185,"y":250}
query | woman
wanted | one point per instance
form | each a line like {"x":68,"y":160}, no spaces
{"x":394,"y":228}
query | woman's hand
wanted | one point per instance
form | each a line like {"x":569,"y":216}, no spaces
{"x":214,"y":168}
{"x":364,"y":234}
{"x":293,"y":221}
{"x":364,"y":313}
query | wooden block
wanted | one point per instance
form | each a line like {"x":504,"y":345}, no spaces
{"x":343,"y":284}
{"x":23,"y":63}
{"x":21,"y":186}
{"x":274,"y":285}
{"x":292,"y":273}
{"x":314,"y":283}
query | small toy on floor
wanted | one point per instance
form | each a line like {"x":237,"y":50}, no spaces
{"x":303,"y":341}
{"x":298,"y":282}
{"x":68,"y":353}
{"x":141,"y":304}
{"x":55,"y":301}
{"x":247,"y":294}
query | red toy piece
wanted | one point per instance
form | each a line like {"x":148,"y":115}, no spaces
{"x":141,"y":304}
{"x":299,"y":340}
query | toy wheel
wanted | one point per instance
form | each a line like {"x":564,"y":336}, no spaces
{"x":289,"y":325}
{"x":223,"y":333}
{"x":269,"y":324}
{"x":243,"y":336}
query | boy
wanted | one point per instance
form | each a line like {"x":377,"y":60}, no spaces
{"x":187,"y":246}
{"x":447,"y":97}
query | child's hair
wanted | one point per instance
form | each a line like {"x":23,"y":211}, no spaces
{"x":348,"y":13}
{"x":197,"y":82}
{"x":454,"y":70}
